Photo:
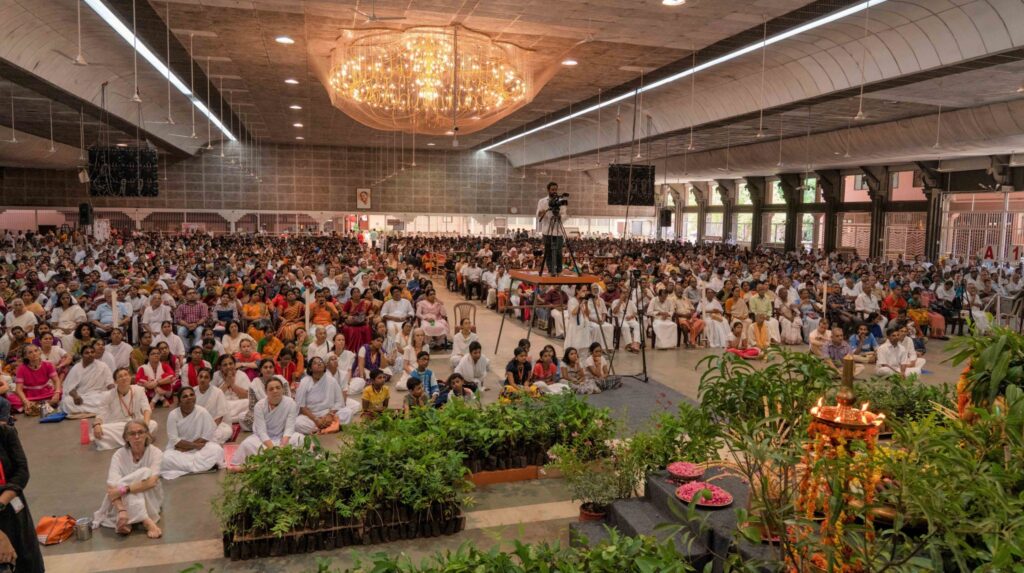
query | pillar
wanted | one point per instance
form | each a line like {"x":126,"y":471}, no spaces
{"x":792,"y":184}
{"x":757,"y":188}
{"x":933,"y":185}
{"x":877,"y":179}
{"x":727,"y":191}
{"x":700,"y":194}
{"x":677,"y":216}
{"x":831,"y":183}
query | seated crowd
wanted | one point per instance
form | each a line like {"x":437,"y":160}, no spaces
{"x":283,"y":337}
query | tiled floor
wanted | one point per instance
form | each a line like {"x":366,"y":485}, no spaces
{"x":67,"y":478}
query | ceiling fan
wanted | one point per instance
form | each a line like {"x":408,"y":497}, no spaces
{"x":373,"y":17}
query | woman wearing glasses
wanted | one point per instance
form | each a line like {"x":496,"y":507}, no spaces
{"x":134,"y":492}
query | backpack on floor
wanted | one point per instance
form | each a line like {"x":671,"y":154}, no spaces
{"x":54,"y":529}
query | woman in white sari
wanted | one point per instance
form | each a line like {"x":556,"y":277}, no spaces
{"x":717,"y":327}
{"x":258,"y":389}
{"x":235,"y":386}
{"x":273,"y":424}
{"x":190,"y":439}
{"x":412,"y":350}
{"x":461,"y":342}
{"x":232,"y":339}
{"x":321,"y":407}
{"x":211,"y":399}
{"x":974,"y":302}
{"x":127,"y":402}
{"x":134,"y":492}
{"x":339,"y":364}
{"x":578,"y":324}
{"x":790,"y":324}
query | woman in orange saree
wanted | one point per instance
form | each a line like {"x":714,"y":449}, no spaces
{"x":292,"y":317}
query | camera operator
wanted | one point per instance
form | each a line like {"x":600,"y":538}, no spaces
{"x":547,"y":224}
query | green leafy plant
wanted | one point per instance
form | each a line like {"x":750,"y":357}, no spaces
{"x":996,"y":362}
{"x":732,"y":389}
{"x":903,"y":398}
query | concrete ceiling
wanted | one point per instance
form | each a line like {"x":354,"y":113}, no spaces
{"x":612,"y":39}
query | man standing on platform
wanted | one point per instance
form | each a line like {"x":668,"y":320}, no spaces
{"x":549,"y":228}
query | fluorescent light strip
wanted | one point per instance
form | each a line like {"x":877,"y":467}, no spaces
{"x":122,"y":29}
{"x":706,"y":65}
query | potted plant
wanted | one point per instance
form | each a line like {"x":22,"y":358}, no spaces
{"x":595,"y":484}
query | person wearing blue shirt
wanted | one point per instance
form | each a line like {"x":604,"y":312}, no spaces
{"x":425,"y":375}
{"x":863,"y":345}
{"x":103,"y":319}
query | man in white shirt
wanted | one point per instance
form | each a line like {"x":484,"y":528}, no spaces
{"x":550,"y":229}
{"x":892,"y":357}
{"x":472,"y":275}
{"x":474,"y":367}
{"x":396,"y":311}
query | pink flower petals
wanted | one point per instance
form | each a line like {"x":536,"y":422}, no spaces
{"x":719,"y":497}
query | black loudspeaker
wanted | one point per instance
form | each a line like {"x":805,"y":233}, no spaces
{"x":666,"y":218}
{"x":631,"y":185}
{"x":84,"y":214}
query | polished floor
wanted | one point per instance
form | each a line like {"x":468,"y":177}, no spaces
{"x":67,"y":478}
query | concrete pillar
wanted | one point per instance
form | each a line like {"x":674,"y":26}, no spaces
{"x":700,"y":194}
{"x":831,"y":183}
{"x":679,"y":194}
{"x":727,"y":191}
{"x":758,"y":189}
{"x":792,"y":186}
{"x":877,"y":179}
{"x":933,"y":182}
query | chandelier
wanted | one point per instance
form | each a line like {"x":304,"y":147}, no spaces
{"x":430,"y":80}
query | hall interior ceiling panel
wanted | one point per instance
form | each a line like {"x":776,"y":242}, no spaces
{"x":40,"y":39}
{"x":910,"y":43}
{"x":613,"y":41}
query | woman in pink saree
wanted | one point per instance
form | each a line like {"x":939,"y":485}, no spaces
{"x":433,"y":319}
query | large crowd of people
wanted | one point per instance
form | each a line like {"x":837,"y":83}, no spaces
{"x":281,"y":337}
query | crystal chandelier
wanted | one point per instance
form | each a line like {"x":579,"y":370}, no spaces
{"x":430,"y":80}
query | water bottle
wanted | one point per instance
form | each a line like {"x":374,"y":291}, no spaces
{"x":85,"y":431}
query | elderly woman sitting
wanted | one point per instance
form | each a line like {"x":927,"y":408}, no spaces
{"x":321,"y":407}
{"x":273,"y":423}
{"x":134,"y":492}
{"x":191,"y":447}
{"x":125,"y":403}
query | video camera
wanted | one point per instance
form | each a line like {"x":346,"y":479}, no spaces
{"x":556,"y":202}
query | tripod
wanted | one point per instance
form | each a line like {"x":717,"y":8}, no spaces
{"x":557,"y":219}
{"x":634,"y":288}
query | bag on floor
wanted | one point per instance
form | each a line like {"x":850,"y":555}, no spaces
{"x":54,"y":529}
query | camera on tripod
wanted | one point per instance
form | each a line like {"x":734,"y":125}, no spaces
{"x":556,"y":202}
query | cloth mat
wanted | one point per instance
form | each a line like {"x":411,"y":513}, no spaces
{"x":635,"y":403}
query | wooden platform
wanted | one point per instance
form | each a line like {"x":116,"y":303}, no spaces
{"x":566,"y":278}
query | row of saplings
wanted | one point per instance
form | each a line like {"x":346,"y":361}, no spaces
{"x":395,"y":478}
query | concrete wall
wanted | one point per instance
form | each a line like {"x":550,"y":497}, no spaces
{"x":325,"y":179}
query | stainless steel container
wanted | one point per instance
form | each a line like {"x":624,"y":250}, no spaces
{"x":83,"y":529}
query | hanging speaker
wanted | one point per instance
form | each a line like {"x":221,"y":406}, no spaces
{"x":665,"y":219}
{"x":84,"y":214}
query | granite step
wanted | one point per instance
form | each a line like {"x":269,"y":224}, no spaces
{"x":588,"y":533}
{"x":640,"y":517}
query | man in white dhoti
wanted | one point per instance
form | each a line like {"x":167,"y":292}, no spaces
{"x":86,"y":386}
{"x":660,"y":310}
{"x":125,"y":403}
{"x":134,"y":492}
{"x":190,"y":439}
{"x":273,"y":424}
{"x":396,"y":311}
{"x":907,"y":342}
{"x":213,"y":401}
{"x":320,"y":403}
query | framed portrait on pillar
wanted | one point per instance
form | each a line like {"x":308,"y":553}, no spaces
{"x":363,"y":199}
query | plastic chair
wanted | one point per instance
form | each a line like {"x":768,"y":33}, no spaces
{"x":465,"y":310}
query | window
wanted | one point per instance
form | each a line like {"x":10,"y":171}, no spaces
{"x":776,"y":197}
{"x":904,"y":187}
{"x":811,"y":193}
{"x":855,"y":189}
{"x":743,"y":195}
{"x":713,"y":226}
{"x":716,"y":197}
{"x":689,"y":227}
{"x":774,"y":228}
{"x":744,"y":227}
{"x":688,"y":200}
